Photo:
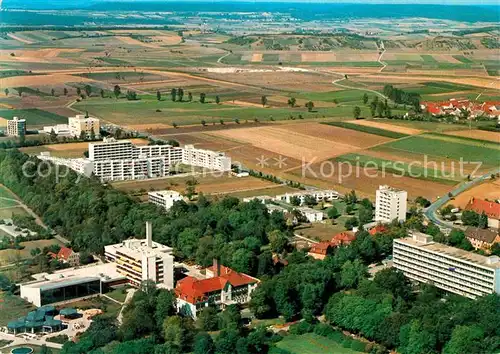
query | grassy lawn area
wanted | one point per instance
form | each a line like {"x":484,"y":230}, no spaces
{"x":110,"y":308}
{"x":311,"y":343}
{"x":12,"y":307}
{"x":323,"y":231}
{"x":118,"y":294}
{"x":10,"y":255}
{"x":7,"y":212}
{"x":5,"y":197}
{"x":266,"y":322}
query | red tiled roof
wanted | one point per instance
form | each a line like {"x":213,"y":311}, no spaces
{"x":195,"y":290}
{"x":377,"y":229}
{"x":321,"y":247}
{"x":491,"y":209}
{"x":64,"y":253}
{"x":345,"y":237}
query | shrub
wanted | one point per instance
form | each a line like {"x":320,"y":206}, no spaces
{"x":301,"y":328}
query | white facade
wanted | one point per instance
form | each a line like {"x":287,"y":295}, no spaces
{"x":80,"y":165}
{"x":451,"y":269}
{"x":59,"y":129}
{"x":311,"y":215}
{"x":205,"y":158}
{"x":82,"y":123}
{"x":319,"y":196}
{"x":111,"y":149}
{"x":390,"y":204}
{"x":16,"y":127}
{"x":139,"y":260}
{"x":165,"y":199}
{"x":140,"y":168}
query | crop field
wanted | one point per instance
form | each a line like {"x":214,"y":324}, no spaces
{"x":368,"y":129}
{"x":208,"y":184}
{"x":449,"y":147}
{"x":33,"y":116}
{"x":294,"y":140}
{"x":386,"y":126}
{"x":487,"y":190}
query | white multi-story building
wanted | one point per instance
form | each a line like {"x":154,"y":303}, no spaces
{"x":118,"y":160}
{"x":165,"y":199}
{"x":83,"y":123}
{"x":80,"y":165}
{"x":205,"y":158}
{"x":390,"y":204}
{"x":16,"y":127}
{"x":310,"y":214}
{"x":318,"y":195}
{"x":448,"y":268}
{"x":139,"y":260}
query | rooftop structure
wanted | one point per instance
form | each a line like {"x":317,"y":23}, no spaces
{"x":449,"y":268}
{"x":390,"y":204}
{"x":223,"y":286}
{"x":143,"y":259}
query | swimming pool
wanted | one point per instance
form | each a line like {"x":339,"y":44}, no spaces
{"x":22,"y":350}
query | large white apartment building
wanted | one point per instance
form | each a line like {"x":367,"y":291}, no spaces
{"x":139,"y":260}
{"x":451,"y":269}
{"x":79,"y":165}
{"x":165,"y":199}
{"x":16,"y":127}
{"x":118,"y":160}
{"x":390,"y":204}
{"x":205,"y":158}
{"x":83,"y":123}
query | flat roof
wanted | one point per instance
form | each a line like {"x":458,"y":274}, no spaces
{"x":73,"y":276}
{"x":136,"y":248}
{"x":165,"y":193}
{"x":452,"y":252}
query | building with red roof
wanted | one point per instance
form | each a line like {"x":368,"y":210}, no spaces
{"x":223,"y":286}
{"x":379,"y":228}
{"x":491,"y":209}
{"x":321,"y":249}
{"x":66,"y":255}
{"x":455,"y":106}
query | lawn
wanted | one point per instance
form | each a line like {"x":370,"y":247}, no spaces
{"x":311,"y":343}
{"x":323,"y":231}
{"x":450,"y":148}
{"x":110,"y":308}
{"x":6,"y":198}
{"x":369,"y":130}
{"x":6,"y":213}
{"x":10,"y":255}
{"x":12,"y":307}
{"x":34,"y":116}
{"x":118,"y":294}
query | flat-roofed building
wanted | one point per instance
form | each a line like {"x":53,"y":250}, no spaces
{"x":16,"y":127}
{"x":83,"y":125}
{"x":310,"y":214}
{"x":322,"y":195}
{"x":211,"y":160}
{"x":111,"y":149}
{"x":142,"y":259}
{"x":59,"y":129}
{"x":70,"y":284}
{"x":165,"y":199}
{"x":448,"y":268}
{"x":390,"y":204}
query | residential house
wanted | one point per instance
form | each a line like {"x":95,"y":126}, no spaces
{"x":321,"y":249}
{"x":67,"y":255}
{"x":491,"y":209}
{"x":482,"y":238}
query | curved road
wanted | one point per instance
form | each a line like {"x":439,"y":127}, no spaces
{"x":430,"y":212}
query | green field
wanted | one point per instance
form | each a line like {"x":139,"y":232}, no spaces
{"x":7,"y":212}
{"x":6,"y":198}
{"x":450,"y":148}
{"x":12,"y":307}
{"x":9,"y":255}
{"x":463,"y":59}
{"x":182,"y":113}
{"x":369,"y":130}
{"x":397,"y":168}
{"x":34,"y":116}
{"x":311,"y":343}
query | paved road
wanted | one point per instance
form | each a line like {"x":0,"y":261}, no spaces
{"x":430,"y":212}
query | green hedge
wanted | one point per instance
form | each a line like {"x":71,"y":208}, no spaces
{"x":369,"y":130}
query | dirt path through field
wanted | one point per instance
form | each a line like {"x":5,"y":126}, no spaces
{"x":13,"y":36}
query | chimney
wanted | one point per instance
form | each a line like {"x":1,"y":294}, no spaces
{"x":216,"y":266}
{"x":149,"y":234}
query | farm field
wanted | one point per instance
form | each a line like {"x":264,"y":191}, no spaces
{"x":7,"y":212}
{"x":369,"y":129}
{"x":478,"y":134}
{"x":69,"y":150}
{"x":34,"y":117}
{"x":7,"y":199}
{"x":311,"y":343}
{"x":210,"y":184}
{"x":294,"y":140}
{"x":270,"y":191}
{"x":489,"y":190}
{"x":385,"y":126}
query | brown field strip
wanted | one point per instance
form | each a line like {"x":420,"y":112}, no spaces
{"x":477,"y":134}
{"x":386,"y":126}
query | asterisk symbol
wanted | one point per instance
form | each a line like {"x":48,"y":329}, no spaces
{"x":280,"y":161}
{"x":262,"y":161}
